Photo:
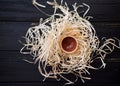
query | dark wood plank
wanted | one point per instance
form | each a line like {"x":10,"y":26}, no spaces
{"x":23,"y":10}
{"x":56,"y":84}
{"x":15,"y":70}
{"x":31,"y":84}
{"x":12,"y":32}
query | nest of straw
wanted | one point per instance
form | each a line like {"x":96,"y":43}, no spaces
{"x":44,"y":44}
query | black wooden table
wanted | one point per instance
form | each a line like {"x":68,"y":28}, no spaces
{"x":16,"y":16}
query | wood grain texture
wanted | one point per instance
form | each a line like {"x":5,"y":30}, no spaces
{"x":14,"y":70}
{"x":23,"y":10}
{"x":16,"y":16}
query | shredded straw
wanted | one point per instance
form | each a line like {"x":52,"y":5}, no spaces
{"x":43,"y":42}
